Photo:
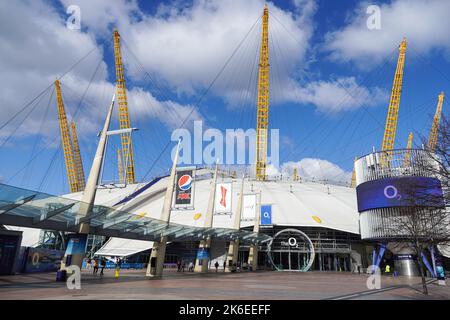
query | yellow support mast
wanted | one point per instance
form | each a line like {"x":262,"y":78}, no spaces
{"x":124,"y":117}
{"x":262,"y":121}
{"x":408,"y":150}
{"x":66,"y":140}
{"x":432,"y":139}
{"x":120,"y":166}
{"x":353,"y":182}
{"x":79,"y":171}
{"x":394,"y":103}
{"x":296,"y":178}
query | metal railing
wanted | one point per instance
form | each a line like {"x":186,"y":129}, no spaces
{"x":394,"y":163}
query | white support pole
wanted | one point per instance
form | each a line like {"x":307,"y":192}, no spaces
{"x":233,"y":249}
{"x":87,"y":201}
{"x":201,"y":265}
{"x":156,"y":262}
{"x":253,"y":253}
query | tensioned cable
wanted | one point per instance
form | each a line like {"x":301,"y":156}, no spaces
{"x":21,"y":122}
{"x":28,"y":173}
{"x":32,"y":158}
{"x":202,"y":97}
{"x":43,"y":91}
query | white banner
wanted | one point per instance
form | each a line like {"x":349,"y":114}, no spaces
{"x":249,"y":207}
{"x":222,"y":203}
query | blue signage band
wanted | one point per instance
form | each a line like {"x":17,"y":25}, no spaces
{"x":399,"y":192}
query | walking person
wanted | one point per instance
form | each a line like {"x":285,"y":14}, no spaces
{"x":224,"y":265}
{"x":102,"y":265}
{"x":88,"y":264}
{"x":387,"y":270}
{"x":95,"y":266}
{"x":216,"y":265}
{"x":183,"y":265}
{"x":178,"y":266}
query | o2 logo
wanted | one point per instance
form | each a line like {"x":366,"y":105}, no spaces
{"x":391,"y":192}
{"x":292,"y":242}
{"x":35,"y":260}
{"x":73,"y":22}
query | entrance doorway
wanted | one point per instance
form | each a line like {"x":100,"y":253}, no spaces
{"x":291,"y":250}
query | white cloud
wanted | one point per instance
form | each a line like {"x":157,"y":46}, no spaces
{"x":37,"y":48}
{"x":424,"y":23}
{"x":336,"y":95}
{"x":317,"y":169}
{"x":171,"y":113}
{"x":186,"y":45}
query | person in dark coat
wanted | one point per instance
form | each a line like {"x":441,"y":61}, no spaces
{"x":102,"y":265}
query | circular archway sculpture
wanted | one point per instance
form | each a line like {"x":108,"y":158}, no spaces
{"x":291,"y":250}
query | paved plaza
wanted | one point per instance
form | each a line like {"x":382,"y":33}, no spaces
{"x":132,"y":284}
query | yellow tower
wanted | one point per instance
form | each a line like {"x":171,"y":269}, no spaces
{"x":394,"y":103}
{"x":78,"y":164}
{"x":408,"y":150}
{"x":66,"y":140}
{"x":353,"y":182}
{"x":262,"y":120}
{"x":124,"y":117}
{"x":432,"y":139}
{"x":296,"y":174}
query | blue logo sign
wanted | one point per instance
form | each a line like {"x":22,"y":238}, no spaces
{"x":399,"y":192}
{"x":266,"y":214}
{"x":202,"y":254}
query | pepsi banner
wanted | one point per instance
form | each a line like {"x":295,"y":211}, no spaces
{"x":266,"y":214}
{"x":399,"y":192}
{"x":183,"y":190}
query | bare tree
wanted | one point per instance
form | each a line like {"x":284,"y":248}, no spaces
{"x":423,"y":220}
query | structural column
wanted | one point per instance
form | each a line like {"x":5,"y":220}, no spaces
{"x":253,"y":253}
{"x":157,"y":256}
{"x":203,"y":255}
{"x":233,"y":249}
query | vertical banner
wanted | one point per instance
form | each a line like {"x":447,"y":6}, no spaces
{"x":184,"y":187}
{"x":266,"y":214}
{"x":76,"y":249}
{"x":222,"y":203}
{"x":249,"y":207}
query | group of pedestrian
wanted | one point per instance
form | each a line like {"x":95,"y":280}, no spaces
{"x":181,"y":265}
{"x":216,"y":265}
{"x":95,"y":263}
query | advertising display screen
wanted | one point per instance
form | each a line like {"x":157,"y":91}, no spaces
{"x":76,"y":244}
{"x":399,"y":192}
{"x":42,"y":260}
{"x":184,"y":186}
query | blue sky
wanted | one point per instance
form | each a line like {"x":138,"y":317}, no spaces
{"x":330,"y":78}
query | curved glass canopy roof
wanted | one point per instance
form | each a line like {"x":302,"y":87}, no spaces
{"x":33,"y":209}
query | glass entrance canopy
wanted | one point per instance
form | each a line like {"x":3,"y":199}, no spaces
{"x":33,"y":209}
